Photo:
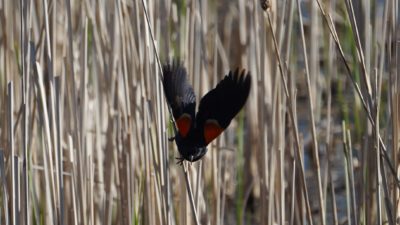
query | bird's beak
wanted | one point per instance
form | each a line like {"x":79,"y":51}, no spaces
{"x":191,"y":158}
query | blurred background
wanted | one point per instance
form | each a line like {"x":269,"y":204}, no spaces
{"x":84,"y":123}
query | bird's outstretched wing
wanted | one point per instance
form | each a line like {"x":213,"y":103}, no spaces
{"x":218,"y":107}
{"x":180,"y":96}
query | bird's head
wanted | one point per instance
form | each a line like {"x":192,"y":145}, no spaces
{"x":189,"y":151}
{"x":193,"y":154}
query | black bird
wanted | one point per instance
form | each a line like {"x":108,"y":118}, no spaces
{"x":216,"y":110}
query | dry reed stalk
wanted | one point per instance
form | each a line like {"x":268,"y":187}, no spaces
{"x":292,"y":117}
{"x":311,"y":99}
{"x":331,"y":71}
{"x":47,"y":149}
{"x":4,"y":188}
{"x":10,"y":93}
{"x":16,"y":185}
{"x":332,"y":29}
{"x":185,"y":170}
{"x":25,"y":69}
{"x":86,"y":138}
{"x":59,"y":91}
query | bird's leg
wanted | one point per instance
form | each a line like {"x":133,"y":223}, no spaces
{"x":180,"y":160}
{"x":171,"y":139}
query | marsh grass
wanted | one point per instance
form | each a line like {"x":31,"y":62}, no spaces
{"x":85,"y":126}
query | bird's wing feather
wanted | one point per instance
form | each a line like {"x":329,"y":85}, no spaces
{"x":220,"y":105}
{"x":180,"y":95}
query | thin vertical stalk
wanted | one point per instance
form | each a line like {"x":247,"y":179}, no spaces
{"x":347,"y":176}
{"x":10,"y":93}
{"x":350,"y":171}
{"x":25,"y":108}
{"x":312,"y":120}
{"x":366,"y":78}
{"x":71,"y":75}
{"x":58,"y":85}
{"x":4,"y":188}
{"x":190,"y":193}
{"x":47,"y":148}
{"x":333,"y":196}
{"x":16,"y":185}
{"x":292,"y":194}
{"x":189,"y":189}
{"x":293,"y":122}
{"x":383,"y":150}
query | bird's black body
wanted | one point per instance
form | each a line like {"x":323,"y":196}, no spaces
{"x":191,"y":147}
{"x":216,"y":110}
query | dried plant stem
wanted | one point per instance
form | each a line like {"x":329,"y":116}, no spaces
{"x":59,"y":150}
{"x":334,"y":207}
{"x":360,"y":52}
{"x":47,"y":160}
{"x":293,"y":121}
{"x":350,"y":175}
{"x":83,"y":138}
{"x":25,"y":108}
{"x":190,"y":193}
{"x":383,"y":151}
{"x":312,"y":120}
{"x":4,"y":187}
{"x":10,"y":93}
{"x":188,"y":187}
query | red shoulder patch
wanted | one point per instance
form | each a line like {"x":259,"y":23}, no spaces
{"x":212,"y":130}
{"x":184,"y":123}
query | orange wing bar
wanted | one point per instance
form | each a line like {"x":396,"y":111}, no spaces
{"x":212,"y":130}
{"x":184,"y":123}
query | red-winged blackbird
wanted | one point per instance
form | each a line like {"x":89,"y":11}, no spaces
{"x":216,"y":110}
